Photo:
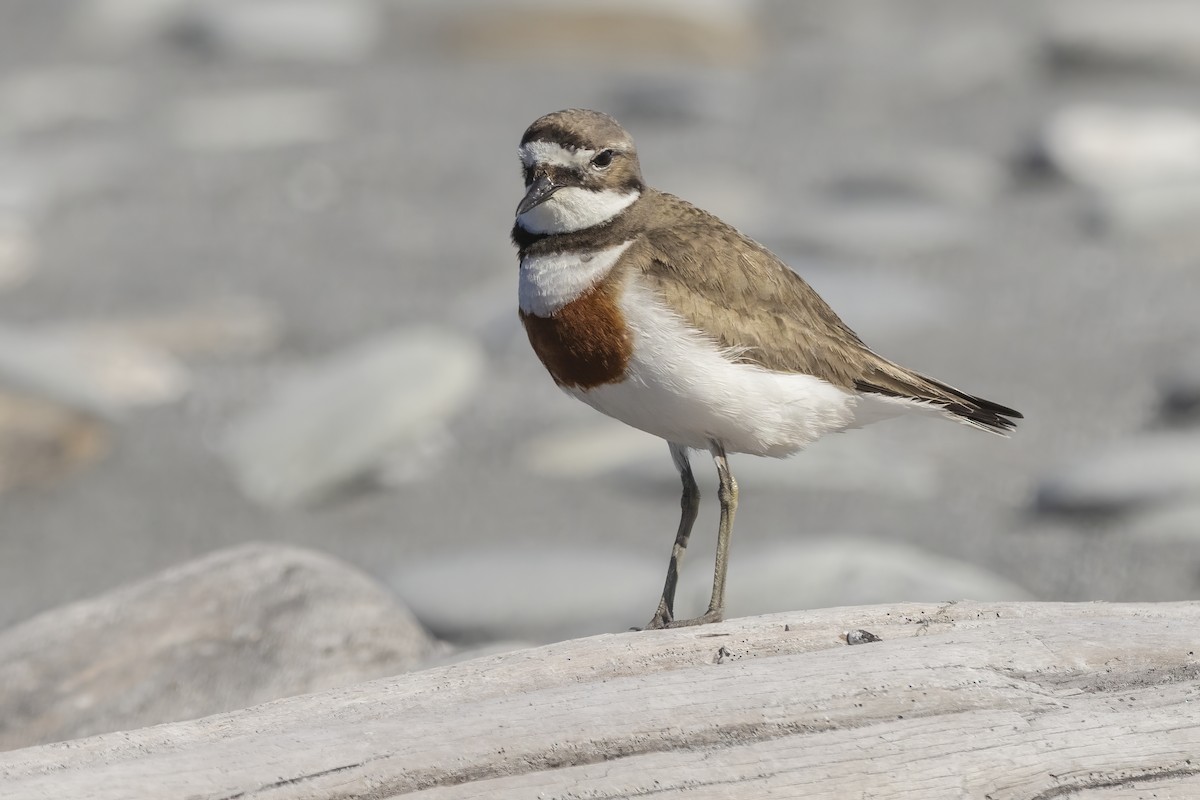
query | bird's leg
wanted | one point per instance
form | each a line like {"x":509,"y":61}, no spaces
{"x":689,"y":505}
{"x":728,"y":494}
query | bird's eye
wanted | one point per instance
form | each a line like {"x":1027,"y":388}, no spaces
{"x":603,"y":159}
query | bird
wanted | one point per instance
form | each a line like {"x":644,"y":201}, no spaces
{"x":660,"y":315}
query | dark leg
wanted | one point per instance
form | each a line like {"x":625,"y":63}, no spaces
{"x":689,"y":505}
{"x":728,"y":494}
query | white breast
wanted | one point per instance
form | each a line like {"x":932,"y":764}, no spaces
{"x":681,"y":387}
{"x":550,"y":282}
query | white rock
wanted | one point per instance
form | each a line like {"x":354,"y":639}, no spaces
{"x":1146,"y":469}
{"x":44,"y":100}
{"x":880,"y":228}
{"x":586,"y":452}
{"x":852,"y":462}
{"x":107,"y":375}
{"x":340,"y":419}
{"x":1165,"y":213}
{"x":616,"y":32}
{"x":250,"y":120}
{"x":1149,"y":33}
{"x":535,"y":594}
{"x":823,"y":573}
{"x":38,"y":179}
{"x":232,"y":326}
{"x":118,"y":24}
{"x":234,"y":628}
{"x":1114,"y":148}
{"x":18,"y":252}
{"x":947,"y":176}
{"x":287,"y":30}
{"x":879,"y":304}
{"x":1175,"y":522}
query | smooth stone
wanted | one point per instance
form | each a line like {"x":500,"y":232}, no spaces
{"x":119,"y":24}
{"x":941,"y":176}
{"x":1174,"y":522}
{"x":590,"y":451}
{"x":18,"y":252}
{"x":226,"y":327}
{"x":622,"y":33}
{"x":881,"y":228}
{"x":50,"y":99}
{"x":610,"y":449}
{"x":535,"y":594}
{"x":231,"y":629}
{"x":41,"y":442}
{"x":339,"y":419}
{"x":39,"y":179}
{"x":254,"y":120}
{"x":839,"y":571}
{"x":1163,"y":214}
{"x":1156,"y":34}
{"x":1115,"y":148}
{"x":106,"y":375}
{"x":316,"y":31}
{"x":1151,"y":468}
{"x":878,"y":304}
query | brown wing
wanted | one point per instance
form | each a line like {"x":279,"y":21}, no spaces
{"x":752,"y":304}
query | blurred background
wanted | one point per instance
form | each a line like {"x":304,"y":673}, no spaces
{"x":256,"y":285}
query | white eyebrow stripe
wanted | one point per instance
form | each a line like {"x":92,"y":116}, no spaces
{"x":553,"y":153}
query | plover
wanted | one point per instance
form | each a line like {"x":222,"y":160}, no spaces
{"x":659,"y":314}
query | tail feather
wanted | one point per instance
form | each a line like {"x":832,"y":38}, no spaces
{"x":900,"y":384}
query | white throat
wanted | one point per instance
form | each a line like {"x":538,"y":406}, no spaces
{"x":574,"y":209}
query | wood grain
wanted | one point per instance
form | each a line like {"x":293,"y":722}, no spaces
{"x":1004,"y":700}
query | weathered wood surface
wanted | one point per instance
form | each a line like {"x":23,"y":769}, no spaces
{"x":998,"y":700}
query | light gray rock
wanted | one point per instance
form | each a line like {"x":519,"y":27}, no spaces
{"x":18,"y":251}
{"x":237,"y":627}
{"x":315,"y":31}
{"x":253,"y":120}
{"x":45,"y":100}
{"x":657,"y":32}
{"x":879,"y":304}
{"x":1157,"y":34}
{"x":119,"y":24}
{"x":1164,"y":214}
{"x":534,"y":594}
{"x":227,"y":327}
{"x":340,"y":419}
{"x":953,"y":177}
{"x":591,"y":450}
{"x":852,"y":462}
{"x":879,"y":228}
{"x":1146,"y":469}
{"x":1117,"y":148}
{"x":1174,"y":522}
{"x":39,"y":179}
{"x":838,"y":571}
{"x":106,"y":375}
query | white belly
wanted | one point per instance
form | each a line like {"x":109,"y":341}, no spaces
{"x":679,"y":386}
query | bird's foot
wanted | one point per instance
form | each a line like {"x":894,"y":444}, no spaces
{"x":662,"y":619}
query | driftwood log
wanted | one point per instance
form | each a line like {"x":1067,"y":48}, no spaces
{"x":997,"y":700}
